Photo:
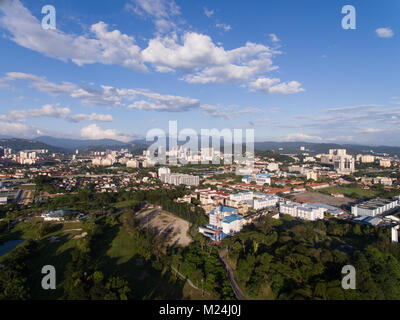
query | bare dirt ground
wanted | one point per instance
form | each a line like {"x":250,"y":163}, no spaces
{"x":173,"y":229}
{"x":322,"y":198}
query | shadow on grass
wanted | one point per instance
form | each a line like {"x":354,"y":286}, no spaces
{"x":144,"y":280}
{"x":49,"y":254}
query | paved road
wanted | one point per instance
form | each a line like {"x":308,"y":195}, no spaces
{"x":235,"y":287}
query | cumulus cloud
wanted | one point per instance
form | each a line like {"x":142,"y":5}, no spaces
{"x":46,"y":111}
{"x":49,"y":110}
{"x":100,"y":46}
{"x":16,"y":129}
{"x":140,"y":99}
{"x":384,"y":32}
{"x":93,"y":132}
{"x":301,"y":137}
{"x":191,"y":53}
{"x":205,"y":62}
{"x":158,"y":102}
{"x":274,"y":86}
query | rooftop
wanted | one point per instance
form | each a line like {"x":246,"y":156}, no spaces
{"x":232,"y":218}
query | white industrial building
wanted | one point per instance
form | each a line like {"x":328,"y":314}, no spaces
{"x":3,"y":200}
{"x":305,"y":211}
{"x":57,"y":215}
{"x":178,"y":179}
{"x":259,"y":179}
{"x":374,"y":207}
{"x":132,"y":164}
{"x":242,"y":196}
{"x":273,"y":166}
{"x":385,"y":163}
{"x":365,"y":158}
{"x":266,"y":201}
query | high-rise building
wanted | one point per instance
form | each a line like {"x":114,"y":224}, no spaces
{"x":342,"y":162}
{"x":163,"y":170}
{"x":385,"y":163}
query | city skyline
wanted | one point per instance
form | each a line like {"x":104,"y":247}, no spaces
{"x":116,"y":70}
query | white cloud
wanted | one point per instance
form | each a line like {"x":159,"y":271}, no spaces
{"x":46,"y":111}
{"x":301,"y":137}
{"x":204,"y":62}
{"x":208,"y":13}
{"x":91,"y":117}
{"x":274,"y":37}
{"x":162,"y":11}
{"x":93,"y":132}
{"x":140,"y":99}
{"x":155,"y":8}
{"x":225,"y":27}
{"x":194,"y":54}
{"x":373,"y":130}
{"x":4,"y":85}
{"x":355,"y":108}
{"x":384,"y":32}
{"x":49,"y":110}
{"x":273,"y":85}
{"x":16,"y":129}
{"x":158,"y":102}
{"x":227,"y":112}
{"x":102,"y":46}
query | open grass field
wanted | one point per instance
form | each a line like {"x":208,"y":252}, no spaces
{"x":116,"y":254}
{"x":56,"y":254}
{"x":125,"y":204}
{"x":28,"y":187}
{"x":351,"y":192}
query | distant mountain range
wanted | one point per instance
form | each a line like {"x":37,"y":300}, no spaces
{"x":23,"y":144}
{"x":69,"y":145}
{"x":72,"y":144}
{"x":90,"y":145}
{"x":316,"y":148}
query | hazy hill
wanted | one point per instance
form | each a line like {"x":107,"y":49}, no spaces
{"x":24,"y":144}
{"x":315,"y":148}
{"x":72,"y":144}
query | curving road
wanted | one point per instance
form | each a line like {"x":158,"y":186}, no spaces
{"x":235,"y":287}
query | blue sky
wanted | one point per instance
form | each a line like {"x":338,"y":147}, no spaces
{"x":116,"y":69}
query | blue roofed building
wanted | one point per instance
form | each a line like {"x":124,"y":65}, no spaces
{"x":223,"y":221}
